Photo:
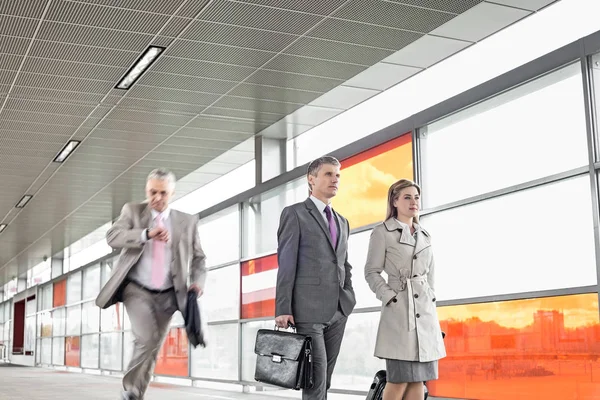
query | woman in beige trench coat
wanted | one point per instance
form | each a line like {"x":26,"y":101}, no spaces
{"x":409,"y":336}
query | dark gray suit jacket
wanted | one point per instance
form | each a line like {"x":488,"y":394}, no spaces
{"x":308,"y":285}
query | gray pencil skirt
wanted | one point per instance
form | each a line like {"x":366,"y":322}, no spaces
{"x":400,"y":371}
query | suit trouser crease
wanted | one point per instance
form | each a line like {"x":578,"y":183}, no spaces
{"x":326,"y":343}
{"x":150,"y":315}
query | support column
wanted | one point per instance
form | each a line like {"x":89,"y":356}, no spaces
{"x":271,"y":158}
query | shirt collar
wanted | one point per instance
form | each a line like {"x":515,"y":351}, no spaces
{"x":165,"y":214}
{"x":320,"y":205}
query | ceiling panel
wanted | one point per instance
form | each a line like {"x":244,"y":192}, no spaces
{"x":196,"y":68}
{"x":337,"y":51}
{"x":394,"y":15}
{"x":260,"y":17}
{"x":313,"y":67}
{"x":238,"y":36}
{"x":105,"y":17}
{"x":274,"y":93}
{"x":367,"y":35}
{"x":18,"y":26}
{"x":231,"y":69}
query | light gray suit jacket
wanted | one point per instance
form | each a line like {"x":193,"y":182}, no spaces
{"x":126,"y":234}
{"x":308,"y":285}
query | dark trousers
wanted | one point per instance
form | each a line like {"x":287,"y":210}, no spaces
{"x":327,"y":340}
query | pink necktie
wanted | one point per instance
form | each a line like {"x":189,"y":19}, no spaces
{"x":158,"y":258}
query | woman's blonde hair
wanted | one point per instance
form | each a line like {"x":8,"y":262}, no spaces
{"x":394,"y":192}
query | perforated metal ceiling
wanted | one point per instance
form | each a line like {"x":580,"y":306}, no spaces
{"x":231,"y":69}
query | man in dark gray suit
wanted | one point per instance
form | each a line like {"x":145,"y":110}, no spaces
{"x":314,"y":285}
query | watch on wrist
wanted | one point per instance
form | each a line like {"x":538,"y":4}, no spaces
{"x":147,"y":234}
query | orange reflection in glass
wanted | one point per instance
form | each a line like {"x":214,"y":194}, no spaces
{"x":546,"y":348}
{"x":72,"y":350}
{"x":366,"y":178}
{"x":59,"y":293}
{"x":173,"y":356}
{"x":258,"y":300}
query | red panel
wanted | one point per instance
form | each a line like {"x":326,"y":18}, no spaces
{"x":260,"y":302}
{"x":259,"y":265}
{"x":265,"y":308}
{"x":544,"y":348}
{"x":72,"y":351}
{"x":173,"y":356}
{"x":60,"y":293}
{"x":19,"y":327}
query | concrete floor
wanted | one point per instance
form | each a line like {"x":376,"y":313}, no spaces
{"x":27,"y":383}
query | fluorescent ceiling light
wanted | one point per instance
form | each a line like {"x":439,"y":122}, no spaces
{"x":66,"y":151}
{"x":141,"y":65}
{"x":24,"y":200}
{"x":2,"y":227}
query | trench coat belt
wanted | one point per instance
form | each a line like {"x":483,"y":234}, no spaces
{"x":412,"y":322}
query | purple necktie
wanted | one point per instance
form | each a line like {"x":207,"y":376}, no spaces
{"x":332,"y":226}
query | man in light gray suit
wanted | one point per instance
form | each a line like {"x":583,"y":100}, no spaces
{"x":314,"y":281}
{"x":150,"y":277}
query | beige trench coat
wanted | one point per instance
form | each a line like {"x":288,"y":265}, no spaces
{"x":409,"y":328}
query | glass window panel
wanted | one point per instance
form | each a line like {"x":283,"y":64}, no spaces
{"x":249,"y":331}
{"x":355,"y":369}
{"x":45,"y":321}
{"x":59,"y":293}
{"x":1,"y":332}
{"x":58,"y":322}
{"x":221,"y":299}
{"x":173,"y":356}
{"x":262,"y":213}
{"x":107,"y":267}
{"x":90,"y":351}
{"x":74,"y":288}
{"x":46,"y":297}
{"x":111,"y":351}
{"x":366,"y":178}
{"x":543,"y":348}
{"x":259,"y":279}
{"x":112,"y":318}
{"x":513,"y":241}
{"x":220,"y":236}
{"x":91,"y":281}
{"x":30,"y":307}
{"x":29,"y":344}
{"x":219,"y":360}
{"x":595,"y":75}
{"x":72,"y":351}
{"x":504,"y":134}
{"x":38,"y":352}
{"x":73,"y":320}
{"x":358,"y":246}
{"x":90,"y":318}
{"x":58,"y":351}
{"x":1,"y":313}
{"x":128,"y":347}
{"x":46,"y":351}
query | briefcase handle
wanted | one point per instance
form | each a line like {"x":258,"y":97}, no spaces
{"x":290,"y":325}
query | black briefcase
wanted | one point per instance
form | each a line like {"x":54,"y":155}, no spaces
{"x":284,"y":359}
{"x":377,"y":386}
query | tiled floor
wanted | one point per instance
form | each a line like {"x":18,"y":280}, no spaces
{"x":26,"y":383}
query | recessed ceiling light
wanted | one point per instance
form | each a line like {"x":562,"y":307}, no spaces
{"x":141,"y":65}
{"x":66,"y":151}
{"x":2,"y":227}
{"x":24,"y":200}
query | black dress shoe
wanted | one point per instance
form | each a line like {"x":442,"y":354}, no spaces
{"x":127,"y":396}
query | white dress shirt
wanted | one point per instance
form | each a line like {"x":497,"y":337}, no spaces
{"x":321,"y":207}
{"x":142,"y":271}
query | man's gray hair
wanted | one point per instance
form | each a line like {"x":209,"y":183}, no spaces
{"x":315,"y":166}
{"x":163,"y":174}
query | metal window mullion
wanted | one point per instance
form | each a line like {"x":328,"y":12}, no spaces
{"x":239,"y":316}
{"x":591,"y":133}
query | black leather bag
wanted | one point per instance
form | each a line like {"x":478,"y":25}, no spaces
{"x":284,"y":359}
